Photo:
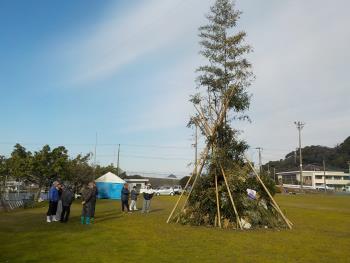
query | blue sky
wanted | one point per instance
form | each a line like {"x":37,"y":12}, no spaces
{"x":125,"y":70}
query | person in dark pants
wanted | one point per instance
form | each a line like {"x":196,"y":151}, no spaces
{"x":147,"y":196}
{"x":53,"y":201}
{"x":86,"y":211}
{"x":67,"y":199}
{"x":59,"y":203}
{"x":93,"y":202}
{"x":125,"y":197}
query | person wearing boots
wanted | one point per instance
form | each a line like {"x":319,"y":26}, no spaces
{"x":86,"y":211}
{"x":133,"y":197}
{"x":53,"y":201}
{"x":67,"y":199}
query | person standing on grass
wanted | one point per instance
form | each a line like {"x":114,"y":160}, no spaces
{"x":67,"y":199}
{"x":86,"y":211}
{"x":53,"y":201}
{"x":59,"y":204}
{"x":147,"y":196}
{"x":125,"y":197}
{"x":93,"y":202}
{"x":133,"y":197}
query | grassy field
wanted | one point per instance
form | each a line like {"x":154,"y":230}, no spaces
{"x":321,"y":234}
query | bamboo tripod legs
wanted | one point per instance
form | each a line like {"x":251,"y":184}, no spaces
{"x":203,"y":159}
{"x":238,"y":220}
{"x":278,"y":209}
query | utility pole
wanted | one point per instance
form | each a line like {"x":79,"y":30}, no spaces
{"x":95,"y":149}
{"x":300,"y":126}
{"x":274,"y":174}
{"x":95,"y":155}
{"x":118,"y":160}
{"x":324,"y":174}
{"x":260,"y":165}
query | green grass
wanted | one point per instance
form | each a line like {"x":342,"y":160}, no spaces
{"x":321,"y":234}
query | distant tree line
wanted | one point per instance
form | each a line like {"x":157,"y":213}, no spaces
{"x":336,"y":158}
{"x":46,"y":165}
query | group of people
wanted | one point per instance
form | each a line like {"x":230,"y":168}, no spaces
{"x":61,"y":198}
{"x":60,"y":201}
{"x":147,"y":196}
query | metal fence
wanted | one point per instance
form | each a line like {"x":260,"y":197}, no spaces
{"x":11,"y":201}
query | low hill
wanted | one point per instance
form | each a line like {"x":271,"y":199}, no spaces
{"x":336,"y":158}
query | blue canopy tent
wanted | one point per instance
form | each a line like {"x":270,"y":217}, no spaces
{"x":109,"y":186}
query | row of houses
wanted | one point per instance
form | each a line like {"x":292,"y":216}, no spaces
{"x":336,"y":180}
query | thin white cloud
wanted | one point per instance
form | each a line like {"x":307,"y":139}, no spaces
{"x":118,"y":40}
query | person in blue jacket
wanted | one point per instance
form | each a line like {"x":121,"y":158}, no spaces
{"x":53,"y":201}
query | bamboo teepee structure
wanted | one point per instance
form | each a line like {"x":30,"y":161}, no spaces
{"x":209,"y":128}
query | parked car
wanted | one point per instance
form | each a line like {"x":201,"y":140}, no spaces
{"x":321,"y":188}
{"x":165,"y":191}
{"x":177,"y":189}
{"x":346,"y":188}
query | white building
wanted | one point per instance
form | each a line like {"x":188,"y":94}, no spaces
{"x":315,"y":179}
{"x":139,"y":183}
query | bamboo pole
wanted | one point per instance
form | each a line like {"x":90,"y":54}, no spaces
{"x":267,"y":191}
{"x":286,"y":217}
{"x":231,"y":198}
{"x":217,"y":200}
{"x":195,"y":180}
{"x":201,"y":118}
{"x":212,"y":130}
{"x":189,"y":180}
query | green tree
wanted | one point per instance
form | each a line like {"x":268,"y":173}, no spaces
{"x":80,"y":172}
{"x":3,"y":173}
{"x":19,"y":164}
{"x":47,"y":166}
{"x":226,"y":76}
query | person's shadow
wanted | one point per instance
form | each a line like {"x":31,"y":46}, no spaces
{"x":108,"y":215}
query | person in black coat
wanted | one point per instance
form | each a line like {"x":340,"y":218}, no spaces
{"x":93,"y":202}
{"x":86,"y":211}
{"x":67,"y":199}
{"x":125,"y":197}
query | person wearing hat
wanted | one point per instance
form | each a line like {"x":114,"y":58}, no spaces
{"x":147,"y":196}
{"x":133,"y":197}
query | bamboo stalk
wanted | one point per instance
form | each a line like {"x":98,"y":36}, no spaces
{"x":286,"y":217}
{"x":195,"y":180}
{"x":203,"y":121}
{"x":267,"y":191}
{"x":209,"y":134}
{"x":189,"y":180}
{"x":217,"y":200}
{"x":231,"y":198}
